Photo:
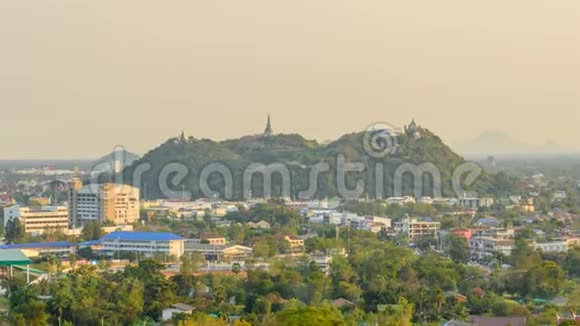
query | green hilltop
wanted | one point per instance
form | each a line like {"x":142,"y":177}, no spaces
{"x":298,"y":155}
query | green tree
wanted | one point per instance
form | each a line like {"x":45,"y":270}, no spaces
{"x":14,"y":231}
{"x":92,"y":231}
{"x":456,"y":248}
{"x":298,"y":315}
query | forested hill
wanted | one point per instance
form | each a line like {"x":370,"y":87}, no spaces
{"x":299,"y":155}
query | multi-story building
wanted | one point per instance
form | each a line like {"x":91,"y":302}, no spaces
{"x":415,"y":229}
{"x":481,"y":247}
{"x":109,"y":202}
{"x":37,"y":219}
{"x":143,"y":243}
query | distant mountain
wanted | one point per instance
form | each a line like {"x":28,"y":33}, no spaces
{"x":498,"y":142}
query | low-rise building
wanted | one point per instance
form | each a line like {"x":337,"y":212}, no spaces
{"x":61,"y":248}
{"x":37,"y":219}
{"x":416,"y":229}
{"x":295,"y":242}
{"x":219,"y":252}
{"x":143,"y":243}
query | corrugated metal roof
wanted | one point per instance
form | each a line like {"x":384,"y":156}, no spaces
{"x":60,"y":244}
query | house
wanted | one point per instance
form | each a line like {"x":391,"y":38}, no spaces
{"x":178,"y":308}
{"x":295,"y":242}
{"x":258,"y":225}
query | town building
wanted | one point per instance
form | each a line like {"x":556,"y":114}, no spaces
{"x":475,"y":202}
{"x":213,"y":239}
{"x":37,"y":219}
{"x":146,"y":244}
{"x":61,"y":248}
{"x":218,"y":252}
{"x":295,"y":242}
{"x":416,"y":229}
{"x":482,"y":247}
{"x":109,"y":202}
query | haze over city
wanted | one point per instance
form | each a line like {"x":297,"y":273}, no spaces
{"x":81,"y":77}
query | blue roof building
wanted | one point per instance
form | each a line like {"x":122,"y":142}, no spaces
{"x":59,"y":248}
{"x":141,"y":236}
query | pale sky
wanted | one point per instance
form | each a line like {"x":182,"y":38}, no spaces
{"x":79,"y":77}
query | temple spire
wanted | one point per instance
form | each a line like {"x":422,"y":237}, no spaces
{"x":268,"y":131}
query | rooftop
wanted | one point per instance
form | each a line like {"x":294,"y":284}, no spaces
{"x":13,"y":257}
{"x":37,"y":245}
{"x":141,"y":236}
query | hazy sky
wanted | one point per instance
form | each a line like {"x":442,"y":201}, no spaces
{"x":78,"y":77}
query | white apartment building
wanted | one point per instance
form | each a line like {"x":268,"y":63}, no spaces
{"x":481,"y":247}
{"x":415,"y":229}
{"x":36,"y":219}
{"x":108,"y":202}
